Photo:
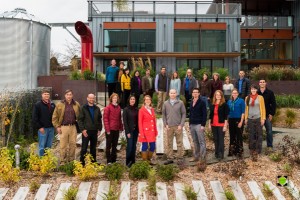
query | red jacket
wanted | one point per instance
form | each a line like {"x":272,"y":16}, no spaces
{"x":112,"y":118}
{"x":147,"y":125}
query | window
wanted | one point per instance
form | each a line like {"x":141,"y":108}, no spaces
{"x":213,"y":41}
{"x":186,"y":41}
{"x":115,"y":40}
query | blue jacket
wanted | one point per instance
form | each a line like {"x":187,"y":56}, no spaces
{"x":198,"y":113}
{"x":236,"y":108}
{"x":111,"y":74}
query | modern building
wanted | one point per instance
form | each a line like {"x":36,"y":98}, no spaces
{"x":228,"y":33}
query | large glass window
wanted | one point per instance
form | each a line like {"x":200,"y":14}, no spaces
{"x":129,"y":40}
{"x":199,"y":41}
{"x":266,"y":49}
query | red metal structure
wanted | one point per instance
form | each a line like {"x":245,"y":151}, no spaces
{"x":86,"y":45}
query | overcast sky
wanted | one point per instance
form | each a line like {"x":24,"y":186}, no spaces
{"x":51,"y":11}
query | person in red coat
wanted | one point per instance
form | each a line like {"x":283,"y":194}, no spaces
{"x":113,"y":125}
{"x":147,"y":128}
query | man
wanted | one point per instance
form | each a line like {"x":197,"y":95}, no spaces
{"x":198,"y":118}
{"x":173,"y":114}
{"x":147,"y":84}
{"x":243,"y":85}
{"x":42,"y":119}
{"x":64,"y":120}
{"x":270,"y":105}
{"x":161,"y":88}
{"x":188,"y":84}
{"x":111,"y":77}
{"x":90,"y":124}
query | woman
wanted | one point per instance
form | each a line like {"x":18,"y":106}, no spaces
{"x":218,"y":122}
{"x":236,"y":118}
{"x":216,"y":84}
{"x":175,"y":84}
{"x":227,"y":88}
{"x":130,"y":120}
{"x":118,"y":84}
{"x":136,"y":86}
{"x":112,"y":124}
{"x":255,"y":116}
{"x":205,"y":89}
{"x":125,"y":86}
{"x":147,"y":128}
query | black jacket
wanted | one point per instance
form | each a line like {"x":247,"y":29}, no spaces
{"x":245,"y":87}
{"x":42,"y":115}
{"x":135,"y":89}
{"x":223,"y":112}
{"x":85,"y":121}
{"x":198,"y":113}
{"x":270,"y":101}
{"x":129,"y":113}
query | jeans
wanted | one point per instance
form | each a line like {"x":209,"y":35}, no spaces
{"x":92,"y":138}
{"x":268,"y":126}
{"x":204,"y":98}
{"x":218,"y":134}
{"x":131,"y":147}
{"x":111,"y":146}
{"x":199,"y":141}
{"x":45,"y":140}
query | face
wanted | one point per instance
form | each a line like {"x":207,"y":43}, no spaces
{"x":46,"y":96}
{"x":137,"y":73}
{"x":69,"y":96}
{"x":262,"y":83}
{"x":147,"y":101}
{"x":242,"y":74}
{"x":163,"y":70}
{"x":227,"y":80}
{"x":113,"y":62}
{"x":204,"y":77}
{"x":172,"y":94}
{"x":189,"y":72}
{"x":132,"y":101}
{"x":218,"y":96}
{"x":216,"y":77}
{"x":253,"y":91}
{"x":91,"y":99}
{"x":234,"y":94}
{"x":127,"y":71}
{"x":114,"y":99}
{"x":121,"y":66}
{"x":195,"y":94}
{"x":175,"y":75}
{"x":148,"y":72}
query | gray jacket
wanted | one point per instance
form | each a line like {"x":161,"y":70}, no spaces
{"x":173,"y":115}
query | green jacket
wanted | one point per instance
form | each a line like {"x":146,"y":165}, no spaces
{"x":58,"y":114}
{"x":85,"y":121}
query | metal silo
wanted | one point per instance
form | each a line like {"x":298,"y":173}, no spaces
{"x":24,"y":49}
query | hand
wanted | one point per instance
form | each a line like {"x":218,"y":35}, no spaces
{"x":209,"y":127}
{"x":262,"y":122}
{"x":167,"y":127}
{"x":224,"y":128}
{"x":99,"y":132}
{"x":107,"y":133}
{"x":128,"y":135}
{"x":246,"y":122}
{"x":240,"y":124}
{"x":42,"y":130}
{"x":84,"y":133}
{"x":270,"y":117}
{"x":179,"y":127}
{"x":58,"y":130}
{"x":202,"y":128}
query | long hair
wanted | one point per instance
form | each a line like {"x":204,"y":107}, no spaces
{"x":148,"y":97}
{"x":222,"y":97}
{"x":128,"y":100}
{"x":124,"y":72}
{"x":173,"y":77}
{"x":112,"y":96}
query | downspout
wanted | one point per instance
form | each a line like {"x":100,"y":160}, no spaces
{"x":86,"y":46}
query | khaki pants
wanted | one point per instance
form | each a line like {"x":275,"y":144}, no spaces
{"x":161,"y":98}
{"x":68,"y":138}
{"x":171,"y":132}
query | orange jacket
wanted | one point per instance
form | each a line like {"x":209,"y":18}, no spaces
{"x":147,"y":125}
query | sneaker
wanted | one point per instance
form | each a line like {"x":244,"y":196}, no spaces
{"x":168,"y":162}
{"x":194,"y":159}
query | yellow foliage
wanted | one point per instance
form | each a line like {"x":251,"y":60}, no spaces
{"x":89,"y":171}
{"x":8,"y":174}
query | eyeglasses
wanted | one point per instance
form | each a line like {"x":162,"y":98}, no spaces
{"x":262,"y":82}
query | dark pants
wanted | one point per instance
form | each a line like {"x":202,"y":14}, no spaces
{"x":218,"y":134}
{"x":268,"y":126}
{"x":131,"y":147}
{"x":126,"y":94}
{"x":188,"y":98}
{"x":111,"y":146}
{"x":137,"y":99}
{"x":111,"y":88}
{"x":236,"y":136}
{"x":255,"y":135}
{"x":92,"y":138}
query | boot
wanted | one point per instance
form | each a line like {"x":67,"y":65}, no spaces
{"x":151,"y":161}
{"x":144,"y":155}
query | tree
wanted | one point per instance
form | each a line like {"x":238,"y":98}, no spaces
{"x":121,"y":5}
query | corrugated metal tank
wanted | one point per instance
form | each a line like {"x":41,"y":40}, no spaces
{"x":24,"y":50}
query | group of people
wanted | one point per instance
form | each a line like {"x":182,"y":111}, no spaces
{"x":224,"y":106}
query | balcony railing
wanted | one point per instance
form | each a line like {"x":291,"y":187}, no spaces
{"x":265,"y":22}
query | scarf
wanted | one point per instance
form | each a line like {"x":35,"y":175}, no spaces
{"x":232,"y":104}
{"x":253,"y":97}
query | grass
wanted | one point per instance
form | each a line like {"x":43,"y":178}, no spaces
{"x":189,"y":193}
{"x":70,"y":194}
{"x":112,"y":194}
{"x":267,"y":191}
{"x":288,"y":101}
{"x":276,"y":156}
{"x":229,"y":194}
{"x":287,"y":168}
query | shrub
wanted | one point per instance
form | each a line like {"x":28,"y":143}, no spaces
{"x":238,"y":168}
{"x":276,"y":157}
{"x":88,"y":75}
{"x":287,"y":168}
{"x":139,"y":170}
{"x":68,"y":168}
{"x":8,"y":174}
{"x":290,"y":149}
{"x":201,"y":71}
{"x":114,"y":171}
{"x":112,"y":192}
{"x":70,"y":194}
{"x":89,"y":171}
{"x":189,"y":193}
{"x":167,"y":172}
{"x":274,"y":75}
{"x":152,"y":182}
{"x":291,"y":118}
{"x":100,"y":76}
{"x":223,"y":73}
{"x":267,"y":191}
{"x":276,"y":116}
{"x":297,"y":74}
{"x":229,"y":194}
{"x":24,"y":155}
{"x":34,"y":186}
{"x":287,"y":74}
{"x":182,"y":71}
{"x":291,"y":101}
{"x":75,"y":75}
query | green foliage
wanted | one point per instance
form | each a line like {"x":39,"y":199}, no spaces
{"x":152,"y":182}
{"x":100,"y":76}
{"x":223,"y":73}
{"x":24,"y":155}
{"x":70,"y":194}
{"x":34,"y":186}
{"x":75,"y":75}
{"x":291,"y":118}
{"x":123,"y":141}
{"x":288,"y":101}
{"x":182,"y":71}
{"x":88,"y":75}
{"x":275,"y":118}
{"x":287,"y":168}
{"x":209,"y":134}
{"x":189,"y":193}
{"x":267,"y":191}
{"x":229,"y":194}
{"x":89,"y":171}
{"x":139,"y":170}
{"x":112,"y":192}
{"x":114,"y":171}
{"x":8,"y":174}
{"x":167,"y":172}
{"x":276,"y":156}
{"x":68,"y":168}
{"x":201,"y":71}
{"x":276,"y":73}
